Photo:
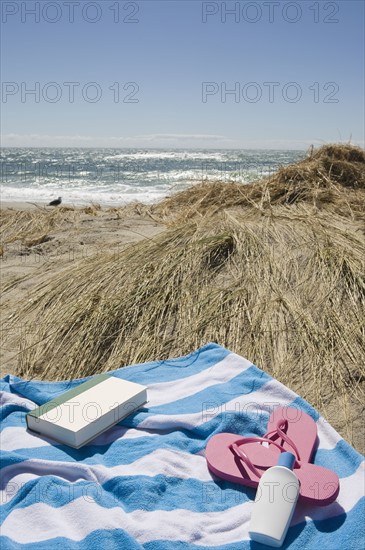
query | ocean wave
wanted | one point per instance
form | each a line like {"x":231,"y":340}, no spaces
{"x":110,"y":176}
{"x":78,"y":197}
{"x":170,"y":155}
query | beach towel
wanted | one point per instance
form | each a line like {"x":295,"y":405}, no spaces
{"x":145,"y":484}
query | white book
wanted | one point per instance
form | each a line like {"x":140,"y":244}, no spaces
{"x":79,"y":415}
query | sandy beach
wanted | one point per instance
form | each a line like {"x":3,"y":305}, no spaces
{"x":86,"y":234}
{"x":272,"y":271}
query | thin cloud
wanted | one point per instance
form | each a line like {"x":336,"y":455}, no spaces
{"x":165,"y":140}
{"x":184,"y":137}
{"x":161,"y":141}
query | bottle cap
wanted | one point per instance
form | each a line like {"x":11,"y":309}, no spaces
{"x":287,"y":460}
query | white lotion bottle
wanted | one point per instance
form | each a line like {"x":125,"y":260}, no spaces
{"x":276,"y":497}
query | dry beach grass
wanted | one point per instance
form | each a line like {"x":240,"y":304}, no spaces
{"x":273,"y":271}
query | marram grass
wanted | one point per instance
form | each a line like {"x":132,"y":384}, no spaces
{"x":273,"y":271}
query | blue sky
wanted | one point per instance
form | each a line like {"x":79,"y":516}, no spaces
{"x":182,"y":74}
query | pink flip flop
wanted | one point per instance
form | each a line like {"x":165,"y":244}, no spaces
{"x":300,"y":431}
{"x":243,"y":460}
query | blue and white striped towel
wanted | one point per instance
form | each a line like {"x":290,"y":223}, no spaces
{"x":145,"y":483}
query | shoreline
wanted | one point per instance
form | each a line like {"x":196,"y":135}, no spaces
{"x":30,"y":205}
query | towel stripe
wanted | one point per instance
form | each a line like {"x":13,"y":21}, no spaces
{"x":145,"y":483}
{"x":222,"y":527}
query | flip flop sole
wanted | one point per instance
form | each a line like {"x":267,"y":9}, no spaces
{"x":225,"y":464}
{"x":318,"y":486}
{"x":301,"y":429}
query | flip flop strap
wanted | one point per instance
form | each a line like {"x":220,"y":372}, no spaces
{"x":279,"y":432}
{"x":234,"y":447}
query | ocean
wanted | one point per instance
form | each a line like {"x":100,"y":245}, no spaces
{"x":120,"y":176}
